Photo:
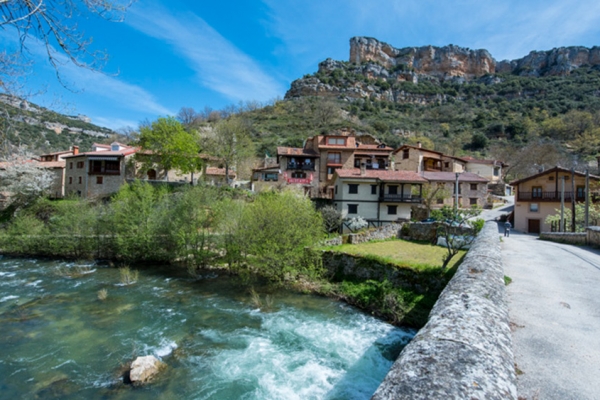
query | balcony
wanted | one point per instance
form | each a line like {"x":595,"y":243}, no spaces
{"x":548,"y":196}
{"x":398,"y":198}
{"x":301,"y":166}
{"x":301,"y":181}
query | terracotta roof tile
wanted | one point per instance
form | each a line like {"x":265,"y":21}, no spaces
{"x":439,"y":176}
{"x":296,"y":151}
{"x":384,"y":175}
{"x":218,"y":171}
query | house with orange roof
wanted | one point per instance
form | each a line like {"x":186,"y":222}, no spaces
{"x":98,"y":173}
{"x":377,"y":195}
{"x":313,"y":166}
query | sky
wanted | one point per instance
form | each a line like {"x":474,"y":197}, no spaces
{"x":169,"y":54}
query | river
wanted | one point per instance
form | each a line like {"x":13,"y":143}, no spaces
{"x":59,"y":340}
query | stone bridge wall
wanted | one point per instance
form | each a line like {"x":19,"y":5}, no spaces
{"x":465,"y":349}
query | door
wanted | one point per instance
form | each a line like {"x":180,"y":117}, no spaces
{"x":534,"y":226}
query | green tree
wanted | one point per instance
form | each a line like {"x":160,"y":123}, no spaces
{"x":231,"y":142}
{"x":170,"y":146}
{"x":277,"y":229}
{"x":451,"y":221}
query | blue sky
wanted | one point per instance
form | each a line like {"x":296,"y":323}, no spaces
{"x":169,"y":54}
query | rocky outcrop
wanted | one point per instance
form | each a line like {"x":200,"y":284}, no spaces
{"x":375,"y":67}
{"x":440,"y":62}
{"x":144,"y":369}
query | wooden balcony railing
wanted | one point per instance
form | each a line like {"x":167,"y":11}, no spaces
{"x":397,"y":198}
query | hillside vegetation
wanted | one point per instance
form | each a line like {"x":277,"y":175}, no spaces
{"x":528,"y":122}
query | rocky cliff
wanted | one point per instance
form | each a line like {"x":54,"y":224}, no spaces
{"x":377,"y":70}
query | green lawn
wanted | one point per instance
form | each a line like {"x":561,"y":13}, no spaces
{"x":420,"y":256}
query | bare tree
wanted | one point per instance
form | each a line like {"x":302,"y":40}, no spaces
{"x":54,"y":24}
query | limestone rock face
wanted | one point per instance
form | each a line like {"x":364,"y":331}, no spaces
{"x":447,"y":61}
{"x":378,"y":71}
{"x":143,"y":369}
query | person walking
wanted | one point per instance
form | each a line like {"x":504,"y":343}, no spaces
{"x":507,"y":226}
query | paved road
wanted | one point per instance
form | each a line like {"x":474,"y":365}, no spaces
{"x":554,"y":307}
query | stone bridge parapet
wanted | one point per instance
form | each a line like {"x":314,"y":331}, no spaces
{"x":465,"y":349}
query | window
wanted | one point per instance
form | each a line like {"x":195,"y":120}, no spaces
{"x":373,"y":189}
{"x":271,"y":176}
{"x":99,"y":180}
{"x":473,"y":201}
{"x":446,"y":165}
{"x":331,"y":170}
{"x":108,"y":167}
{"x":405,"y":154}
{"x":496,"y":171}
{"x":79,"y":164}
{"x":392,"y":210}
{"x":536,"y":192}
{"x":79,"y":180}
{"x":70,"y":179}
{"x":473,"y":186}
{"x":335,"y":189}
{"x":334,"y":158}
{"x":551,"y":178}
{"x":336,"y":141}
{"x":353,"y":188}
{"x":299,"y":175}
{"x":352,"y":208}
{"x":70,"y":165}
{"x":534,"y":207}
{"x":393,"y":189}
{"x":440,"y":200}
{"x":580,"y":192}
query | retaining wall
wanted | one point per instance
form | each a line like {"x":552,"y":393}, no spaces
{"x":381,"y":233}
{"x":577,"y":238}
{"x":593,"y":236}
{"x":465,"y":349}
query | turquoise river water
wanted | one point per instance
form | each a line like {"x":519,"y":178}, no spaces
{"x":59,"y":340}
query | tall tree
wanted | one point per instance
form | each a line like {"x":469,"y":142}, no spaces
{"x":170,"y":146}
{"x":231,"y":142}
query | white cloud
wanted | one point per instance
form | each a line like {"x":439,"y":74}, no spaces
{"x":219,"y":65}
{"x":114,"y":123}
{"x":118,"y":92}
{"x":508,"y":29}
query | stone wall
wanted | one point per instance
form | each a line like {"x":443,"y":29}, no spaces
{"x":593,"y":236}
{"x":576,"y":238}
{"x":427,"y":231}
{"x":341,"y":266}
{"x":465,"y":349}
{"x":381,"y":233}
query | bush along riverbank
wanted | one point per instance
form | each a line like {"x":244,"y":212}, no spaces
{"x":268,"y":236}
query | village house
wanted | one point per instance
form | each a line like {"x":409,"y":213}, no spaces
{"x":490,"y":170}
{"x":472,"y":188}
{"x":312,"y":167}
{"x":443,"y":171}
{"x":418,"y":159}
{"x":539,"y":195}
{"x":97,"y":173}
{"x":377,"y":195}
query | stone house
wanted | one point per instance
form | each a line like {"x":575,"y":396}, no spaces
{"x":538,"y":196}
{"x":98,"y":173}
{"x":419,"y":159}
{"x":472,"y":188}
{"x":376,"y":195}
{"x":313,"y":166}
{"x":441,"y":169}
{"x":492,"y":170}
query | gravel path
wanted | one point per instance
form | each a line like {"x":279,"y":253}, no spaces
{"x":554,"y":307}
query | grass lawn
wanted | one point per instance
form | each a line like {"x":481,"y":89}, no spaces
{"x":419,"y":256}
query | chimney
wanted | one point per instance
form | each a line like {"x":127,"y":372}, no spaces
{"x":363,"y":168}
{"x":75,"y":150}
{"x":419,"y":144}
